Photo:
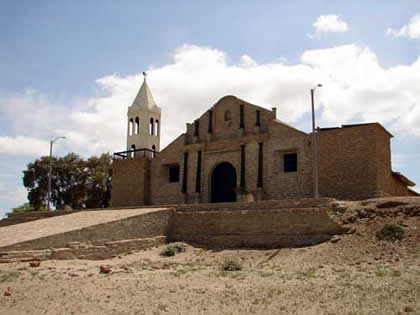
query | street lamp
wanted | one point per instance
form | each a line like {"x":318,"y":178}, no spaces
{"x":50,"y":170}
{"x":314,"y":147}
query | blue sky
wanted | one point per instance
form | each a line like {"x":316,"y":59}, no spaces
{"x":72,"y":68}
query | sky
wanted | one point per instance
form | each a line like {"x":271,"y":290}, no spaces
{"x":72,"y":68}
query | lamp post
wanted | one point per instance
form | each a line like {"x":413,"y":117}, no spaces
{"x":50,"y":171}
{"x":315,"y":165}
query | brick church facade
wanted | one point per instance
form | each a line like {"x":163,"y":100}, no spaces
{"x":237,"y":151}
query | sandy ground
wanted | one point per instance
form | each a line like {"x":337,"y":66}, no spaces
{"x":355,"y":275}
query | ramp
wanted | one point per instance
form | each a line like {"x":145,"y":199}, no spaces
{"x":86,"y":229}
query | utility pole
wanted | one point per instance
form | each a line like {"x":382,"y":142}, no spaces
{"x":315,"y":164}
{"x":50,"y":171}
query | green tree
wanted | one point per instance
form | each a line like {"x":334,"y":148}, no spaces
{"x":98,"y":183}
{"x":35,"y":180}
{"x":70,"y":186}
{"x":74,"y":181}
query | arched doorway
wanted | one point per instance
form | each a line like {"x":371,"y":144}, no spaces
{"x":223,"y":183}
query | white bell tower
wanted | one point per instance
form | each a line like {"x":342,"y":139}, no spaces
{"x":143,"y":121}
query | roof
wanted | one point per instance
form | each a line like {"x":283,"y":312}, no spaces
{"x":403,"y":179}
{"x":144,"y":98}
{"x":357,"y":125}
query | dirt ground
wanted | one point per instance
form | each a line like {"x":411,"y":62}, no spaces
{"x":353,"y":274}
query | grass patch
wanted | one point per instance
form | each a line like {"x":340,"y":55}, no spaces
{"x":7,"y":276}
{"x":306,"y":273}
{"x":395,"y":273}
{"x":231,"y":264}
{"x":380,"y":272}
{"x":390,"y":232}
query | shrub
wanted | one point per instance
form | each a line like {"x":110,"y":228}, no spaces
{"x":390,"y":232}
{"x":171,"y":250}
{"x":231,"y":264}
{"x":168,"y":251}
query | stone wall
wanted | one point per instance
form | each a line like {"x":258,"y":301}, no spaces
{"x":130,"y":182}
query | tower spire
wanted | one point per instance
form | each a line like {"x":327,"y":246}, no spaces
{"x":144,"y":98}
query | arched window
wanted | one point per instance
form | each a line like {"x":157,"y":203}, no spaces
{"x":157,"y":127}
{"x":133,"y":153}
{"x":137,"y":126}
{"x":130,"y":127}
{"x":153,"y":151}
{"x":151,"y":127}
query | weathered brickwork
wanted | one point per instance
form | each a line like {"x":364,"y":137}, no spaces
{"x":354,"y":161}
{"x":131,"y":182}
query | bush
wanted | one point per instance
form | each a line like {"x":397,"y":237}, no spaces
{"x":171,"y":250}
{"x":26,"y":207}
{"x":390,"y":232}
{"x":231,"y":264}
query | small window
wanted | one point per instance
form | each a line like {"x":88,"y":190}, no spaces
{"x":228,"y":115}
{"x":151,"y":127}
{"x":131,"y":127}
{"x":258,"y":119}
{"x":241,"y":116}
{"x":290,"y":162}
{"x":137,"y":126}
{"x":174,"y":174}
{"x":196,"y":128}
{"x":133,"y":151}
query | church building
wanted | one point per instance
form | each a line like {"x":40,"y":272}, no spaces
{"x":237,"y":151}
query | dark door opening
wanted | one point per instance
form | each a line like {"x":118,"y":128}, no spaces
{"x":223,"y":183}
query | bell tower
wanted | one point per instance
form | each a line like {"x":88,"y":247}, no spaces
{"x":143,"y":121}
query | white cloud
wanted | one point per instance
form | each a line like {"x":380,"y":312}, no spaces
{"x":21,"y":145}
{"x":411,"y":30}
{"x":356,"y":88}
{"x":330,"y":23}
{"x":14,"y":195}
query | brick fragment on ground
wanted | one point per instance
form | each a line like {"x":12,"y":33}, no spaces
{"x":105,"y":269}
{"x":35,"y":263}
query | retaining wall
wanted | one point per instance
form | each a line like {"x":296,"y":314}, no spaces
{"x":255,"y":228}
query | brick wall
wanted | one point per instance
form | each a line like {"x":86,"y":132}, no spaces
{"x":130,"y":182}
{"x":226,"y":121}
{"x":283,"y":139}
{"x":162,"y":191}
{"x":388,"y":185}
{"x":355,"y":163}
{"x":347,"y":162}
{"x":255,"y":228}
